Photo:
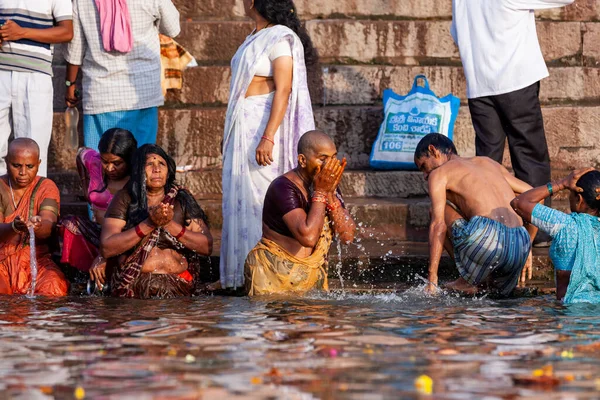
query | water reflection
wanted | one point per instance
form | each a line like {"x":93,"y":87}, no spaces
{"x":325,"y":346}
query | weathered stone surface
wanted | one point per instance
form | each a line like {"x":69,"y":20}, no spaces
{"x":384,"y":184}
{"x":581,"y":10}
{"x":591,"y":44}
{"x":193,"y":136}
{"x":399,"y":42}
{"x":364,"y":84}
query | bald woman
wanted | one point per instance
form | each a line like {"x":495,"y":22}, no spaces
{"x":303,"y":211}
{"x":27,"y":200}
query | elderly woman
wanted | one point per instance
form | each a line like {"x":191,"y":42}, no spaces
{"x":155,"y":229}
{"x":575,"y":249}
{"x":269,"y":109}
{"x":116,"y":45}
{"x":102,"y":175}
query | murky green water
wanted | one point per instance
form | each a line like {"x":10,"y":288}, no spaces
{"x":327,"y":346}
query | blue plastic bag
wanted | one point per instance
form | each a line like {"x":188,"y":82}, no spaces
{"x":406,"y":120}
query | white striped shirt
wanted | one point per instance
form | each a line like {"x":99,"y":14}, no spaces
{"x":114,"y":81}
{"x":27,"y":55}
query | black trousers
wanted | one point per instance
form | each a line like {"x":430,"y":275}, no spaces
{"x":518,"y":117}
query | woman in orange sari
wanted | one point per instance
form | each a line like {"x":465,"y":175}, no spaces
{"x":27,"y":200}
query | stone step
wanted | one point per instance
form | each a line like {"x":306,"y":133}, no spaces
{"x":407,"y":42}
{"x":193,"y":135}
{"x":364,"y":84}
{"x":390,"y":252}
{"x":582,"y":10}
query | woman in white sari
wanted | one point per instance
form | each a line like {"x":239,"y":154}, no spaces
{"x":269,"y":109}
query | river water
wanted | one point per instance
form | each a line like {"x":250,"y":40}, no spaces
{"x":326,"y":346}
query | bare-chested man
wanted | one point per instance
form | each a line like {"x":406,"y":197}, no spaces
{"x":472,"y":218}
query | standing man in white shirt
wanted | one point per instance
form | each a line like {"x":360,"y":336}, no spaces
{"x":503,"y":65}
{"x":28,"y":29}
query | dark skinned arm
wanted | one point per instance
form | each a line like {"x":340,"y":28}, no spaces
{"x":437,"y":229}
{"x":306,"y":228}
{"x":282,"y":76}
{"x":70,"y":98}
{"x":343,"y":224}
{"x":63,"y":32}
{"x":197,"y":236}
{"x":6,"y":231}
{"x":114,"y":241}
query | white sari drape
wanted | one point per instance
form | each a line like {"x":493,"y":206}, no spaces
{"x":245,"y":183}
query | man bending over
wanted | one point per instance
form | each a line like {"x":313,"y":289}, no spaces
{"x":303,"y":209}
{"x":472,"y":218}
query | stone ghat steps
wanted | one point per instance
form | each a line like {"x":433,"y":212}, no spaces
{"x":408,"y":42}
{"x":193,"y":135}
{"x":373,"y":186}
{"x":364,"y":84}
{"x":581,"y":10}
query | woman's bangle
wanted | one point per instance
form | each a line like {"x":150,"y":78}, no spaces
{"x":268,"y":139}
{"x":318,"y":199}
{"x":139,"y":232}
{"x":180,"y":234}
{"x":549,"y":186}
{"x":331,"y":207}
{"x":14,"y":228}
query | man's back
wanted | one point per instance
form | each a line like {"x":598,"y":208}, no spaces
{"x":498,"y":44}
{"x":478,"y":187}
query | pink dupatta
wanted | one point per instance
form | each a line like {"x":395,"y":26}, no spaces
{"x":115,"y":25}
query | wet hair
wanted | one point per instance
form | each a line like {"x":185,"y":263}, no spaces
{"x":437,"y":140}
{"x":283,"y":12}
{"x":136,"y":187}
{"x":118,"y":142}
{"x":589,"y":183}
{"x":310,"y":140}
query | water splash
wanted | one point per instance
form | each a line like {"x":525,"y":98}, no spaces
{"x":338,"y":266}
{"x":32,"y":262}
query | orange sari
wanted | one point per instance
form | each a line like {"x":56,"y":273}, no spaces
{"x":15,"y":273}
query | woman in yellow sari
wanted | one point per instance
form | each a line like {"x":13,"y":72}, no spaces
{"x":303,"y":209}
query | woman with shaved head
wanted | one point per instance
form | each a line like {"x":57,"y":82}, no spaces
{"x":303,"y":210}
{"x":27,"y":200}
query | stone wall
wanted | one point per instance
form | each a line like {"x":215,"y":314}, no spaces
{"x":366,"y":46}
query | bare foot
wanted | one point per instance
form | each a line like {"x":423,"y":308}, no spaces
{"x":461,"y":285}
{"x":211,"y":287}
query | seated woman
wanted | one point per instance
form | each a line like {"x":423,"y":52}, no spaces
{"x":102,"y":175}
{"x":155,"y":230}
{"x":297,"y":233}
{"x":575,"y":249}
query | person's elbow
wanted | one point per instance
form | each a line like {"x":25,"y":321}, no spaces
{"x":437,"y":228}
{"x":68,"y":36}
{"x":107,"y":251}
{"x":308,"y":239}
{"x":348,"y":234}
{"x":515,"y":204}
{"x":171,"y":30}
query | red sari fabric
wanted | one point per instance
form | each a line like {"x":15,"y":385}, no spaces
{"x":15,"y":272}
